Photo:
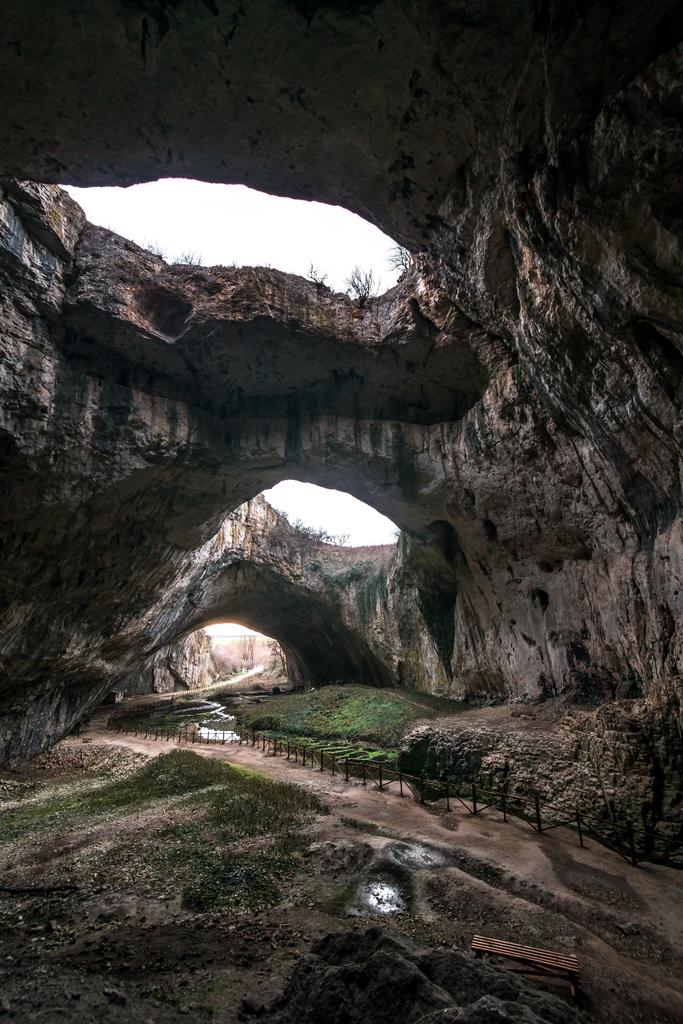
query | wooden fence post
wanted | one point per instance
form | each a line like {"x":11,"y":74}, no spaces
{"x":631,"y":844}
{"x":380,"y":776}
{"x":364,"y":779}
{"x":537,"y":805}
{"x":474,"y":799}
{"x":422,"y":789}
{"x":322,"y":755}
{"x":502,"y":804}
{"x":400,"y":783}
{"x":346,"y":771}
{"x":578,"y":825}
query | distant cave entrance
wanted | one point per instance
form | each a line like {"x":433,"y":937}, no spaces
{"x":289,"y":592}
{"x":238,"y":652}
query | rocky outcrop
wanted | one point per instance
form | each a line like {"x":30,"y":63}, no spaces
{"x":514,"y":404}
{"x":371,"y":976}
{"x":620,"y":762}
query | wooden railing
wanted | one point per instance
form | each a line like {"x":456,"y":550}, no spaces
{"x":631,"y":843}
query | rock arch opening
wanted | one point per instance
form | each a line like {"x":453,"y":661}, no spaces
{"x":296,"y":580}
{"x":199,"y":223}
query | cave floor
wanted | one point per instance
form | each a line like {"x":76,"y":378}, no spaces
{"x":123,"y":946}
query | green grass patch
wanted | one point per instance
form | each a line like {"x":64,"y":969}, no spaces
{"x":190,"y":846}
{"x":253,"y":805}
{"x":172,"y":774}
{"x":250,"y":880}
{"x":200,"y":858}
{"x":352,"y":713}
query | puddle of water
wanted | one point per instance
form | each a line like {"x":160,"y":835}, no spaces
{"x":379,"y":896}
{"x":207,"y":732}
{"x":415,"y":855}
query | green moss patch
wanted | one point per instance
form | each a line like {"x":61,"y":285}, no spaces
{"x":173,"y":774}
{"x":350,"y":713}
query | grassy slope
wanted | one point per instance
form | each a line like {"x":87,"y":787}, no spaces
{"x":196,"y":853}
{"x":351,"y":713}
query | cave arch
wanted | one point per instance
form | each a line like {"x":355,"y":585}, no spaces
{"x":320,"y":646}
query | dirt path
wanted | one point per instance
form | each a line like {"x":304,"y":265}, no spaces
{"x":525,"y":860}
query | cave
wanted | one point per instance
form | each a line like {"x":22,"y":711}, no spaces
{"x":516,"y":418}
{"x":513,"y":403}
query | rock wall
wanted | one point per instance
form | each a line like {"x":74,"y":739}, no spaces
{"x":620,"y":762}
{"x":514,"y":404}
{"x":187,"y":664}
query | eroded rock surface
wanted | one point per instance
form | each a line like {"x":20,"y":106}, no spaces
{"x":373,"y":977}
{"x":622,"y":761}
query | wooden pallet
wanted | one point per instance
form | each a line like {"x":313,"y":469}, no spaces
{"x":541,"y":961}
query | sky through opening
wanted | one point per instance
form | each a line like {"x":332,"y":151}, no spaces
{"x":226,"y":224}
{"x":336,"y":512}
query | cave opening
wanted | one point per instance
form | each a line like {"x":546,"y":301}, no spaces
{"x":240,"y":652}
{"x":299,"y":573}
{"x":198,"y":223}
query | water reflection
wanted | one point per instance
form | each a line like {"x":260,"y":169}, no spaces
{"x":379,"y":896}
{"x":217,"y":735}
{"x":415,"y":855}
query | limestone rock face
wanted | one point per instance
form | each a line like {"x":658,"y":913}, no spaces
{"x":513,"y":405}
{"x":187,"y":664}
{"x":622,"y":761}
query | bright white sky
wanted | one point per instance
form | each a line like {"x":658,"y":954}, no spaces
{"x":334,"y":511}
{"x":225,"y":224}
{"x":229,"y":629}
